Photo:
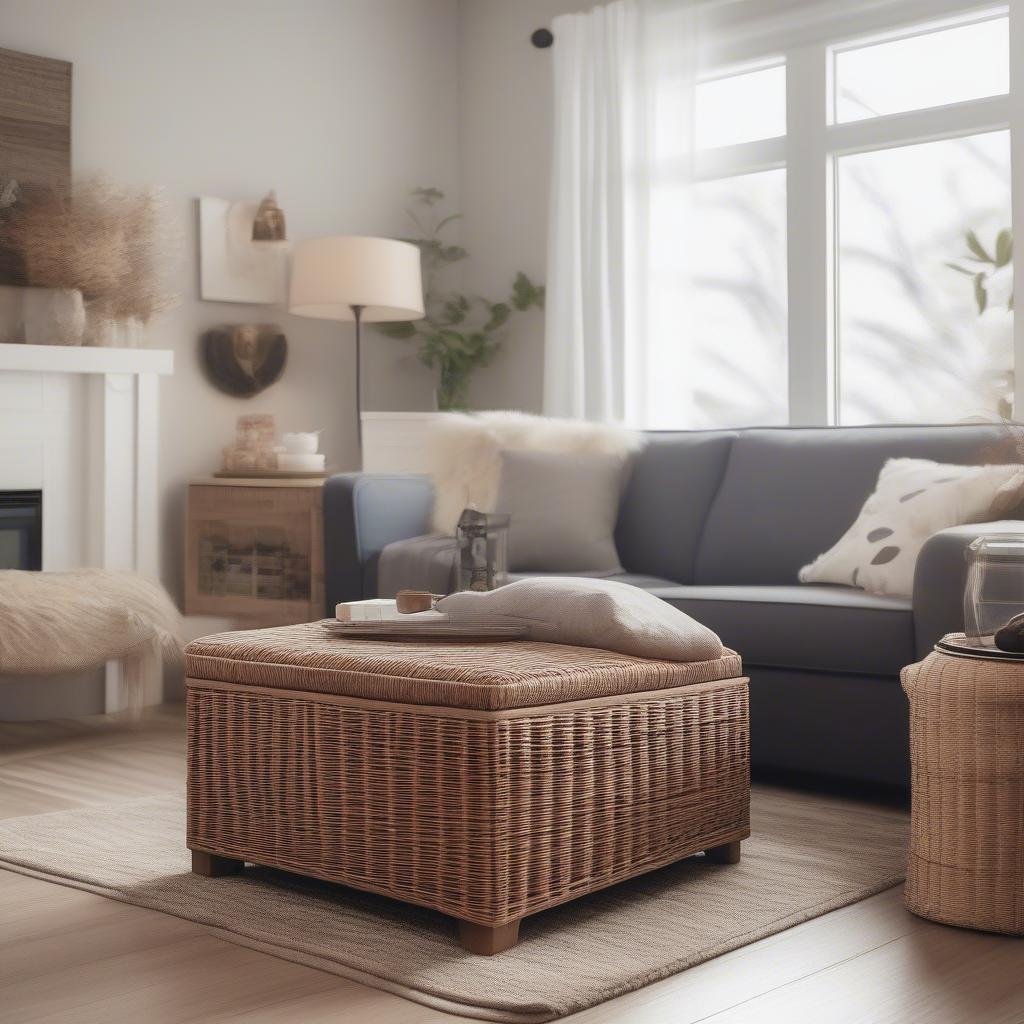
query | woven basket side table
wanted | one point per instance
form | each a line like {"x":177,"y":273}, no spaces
{"x":967,"y":775}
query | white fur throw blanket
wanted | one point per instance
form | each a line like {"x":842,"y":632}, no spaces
{"x":76,"y":621}
{"x":464,"y":453}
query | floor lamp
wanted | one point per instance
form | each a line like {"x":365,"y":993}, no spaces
{"x":356,"y":279}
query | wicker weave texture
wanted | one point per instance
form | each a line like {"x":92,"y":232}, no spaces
{"x":967,"y":819}
{"x":466,"y":673}
{"x":484,"y":819}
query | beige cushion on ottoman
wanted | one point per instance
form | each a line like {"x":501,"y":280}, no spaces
{"x":486,"y":780}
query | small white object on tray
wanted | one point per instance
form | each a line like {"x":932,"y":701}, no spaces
{"x":380,"y":619}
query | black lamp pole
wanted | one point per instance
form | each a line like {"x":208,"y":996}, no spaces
{"x":357,"y":313}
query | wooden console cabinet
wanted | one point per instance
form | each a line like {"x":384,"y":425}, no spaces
{"x":254,"y":550}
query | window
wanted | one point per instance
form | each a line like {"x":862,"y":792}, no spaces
{"x":913,"y":346}
{"x":721,"y":349}
{"x":930,"y":69}
{"x":739,"y":302}
{"x":888,"y":196}
{"x":741,"y":107}
{"x":915,"y":226}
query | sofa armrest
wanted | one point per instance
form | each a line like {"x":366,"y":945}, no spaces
{"x":364,"y":512}
{"x":939,"y":579}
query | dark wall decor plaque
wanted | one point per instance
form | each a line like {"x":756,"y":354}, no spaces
{"x":243,"y":359}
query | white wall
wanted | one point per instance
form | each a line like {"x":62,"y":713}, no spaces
{"x":342,"y":106}
{"x":505,"y":97}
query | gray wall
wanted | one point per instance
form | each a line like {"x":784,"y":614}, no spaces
{"x":504,"y":154}
{"x":341,"y":105}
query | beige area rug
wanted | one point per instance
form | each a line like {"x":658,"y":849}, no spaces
{"x":808,"y":855}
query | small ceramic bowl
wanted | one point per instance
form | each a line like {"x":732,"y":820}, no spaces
{"x":302,"y":443}
{"x":306,"y":462}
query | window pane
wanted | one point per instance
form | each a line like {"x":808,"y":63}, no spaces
{"x":723,"y":359}
{"x":946,"y":66}
{"x":741,"y":108}
{"x":913,"y":346}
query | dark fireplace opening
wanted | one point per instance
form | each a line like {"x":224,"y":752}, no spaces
{"x":21,"y":529}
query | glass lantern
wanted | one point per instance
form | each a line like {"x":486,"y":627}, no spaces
{"x":483,"y":550}
{"x":994,"y":593}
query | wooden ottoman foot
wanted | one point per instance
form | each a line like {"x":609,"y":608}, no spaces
{"x":727,"y":853}
{"x":213,"y":865}
{"x":485,"y":940}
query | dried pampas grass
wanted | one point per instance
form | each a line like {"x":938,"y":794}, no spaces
{"x":115,"y":245}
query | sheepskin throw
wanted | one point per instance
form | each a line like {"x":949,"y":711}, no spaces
{"x":464,"y":454}
{"x":76,"y":621}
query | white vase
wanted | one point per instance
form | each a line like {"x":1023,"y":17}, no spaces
{"x":53,"y":316}
{"x":102,"y":332}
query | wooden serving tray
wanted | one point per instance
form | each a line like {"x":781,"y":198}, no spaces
{"x":965,"y":650}
{"x":391,"y":629}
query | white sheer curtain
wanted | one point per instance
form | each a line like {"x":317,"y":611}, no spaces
{"x":617,"y":245}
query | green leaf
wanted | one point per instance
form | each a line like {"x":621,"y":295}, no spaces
{"x":960,"y":270}
{"x":405,"y":329}
{"x":445,"y":221}
{"x":500,"y":312}
{"x":980,"y":295}
{"x":1004,"y":248}
{"x":454,"y":311}
{"x":977,"y":248}
{"x":427,"y":196}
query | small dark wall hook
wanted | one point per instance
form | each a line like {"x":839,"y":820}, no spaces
{"x":542,"y":38}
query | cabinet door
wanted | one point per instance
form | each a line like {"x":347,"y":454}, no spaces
{"x":254,"y":553}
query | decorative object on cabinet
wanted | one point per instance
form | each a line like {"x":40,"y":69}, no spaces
{"x":35,"y":145}
{"x":244,"y":359}
{"x":235,"y":265}
{"x":459,"y":332}
{"x":113,"y":246}
{"x":353,"y":278}
{"x":254,"y":447}
{"x":255,"y":452}
{"x":254,"y":550}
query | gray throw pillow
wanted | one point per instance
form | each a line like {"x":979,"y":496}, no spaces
{"x":563,"y":509}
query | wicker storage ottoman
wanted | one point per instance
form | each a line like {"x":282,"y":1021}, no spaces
{"x":967,"y":775}
{"x":488,"y":781}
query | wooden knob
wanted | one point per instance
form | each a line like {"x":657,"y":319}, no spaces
{"x":409,"y":601}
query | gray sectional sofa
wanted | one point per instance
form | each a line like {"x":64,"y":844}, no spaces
{"x":718,"y":523}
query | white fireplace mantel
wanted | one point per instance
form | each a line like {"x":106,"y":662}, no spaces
{"x":82,"y":426}
{"x":75,"y":359}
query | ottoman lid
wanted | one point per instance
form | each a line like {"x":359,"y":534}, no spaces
{"x":465,"y":674}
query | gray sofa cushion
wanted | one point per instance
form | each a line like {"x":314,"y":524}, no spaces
{"x":788,"y":494}
{"x":802,"y":626}
{"x":836,"y":629}
{"x":672,"y":484}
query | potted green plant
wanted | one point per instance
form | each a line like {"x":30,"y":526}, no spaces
{"x":991,"y":273}
{"x":459,"y":332}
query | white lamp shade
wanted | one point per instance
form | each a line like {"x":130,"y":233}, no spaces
{"x":331,"y":275}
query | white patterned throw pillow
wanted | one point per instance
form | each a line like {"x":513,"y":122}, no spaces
{"x":913,"y":499}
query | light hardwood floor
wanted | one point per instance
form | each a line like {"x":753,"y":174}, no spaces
{"x":74,"y":957}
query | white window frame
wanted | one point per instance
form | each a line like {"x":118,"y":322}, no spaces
{"x":809,"y":153}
